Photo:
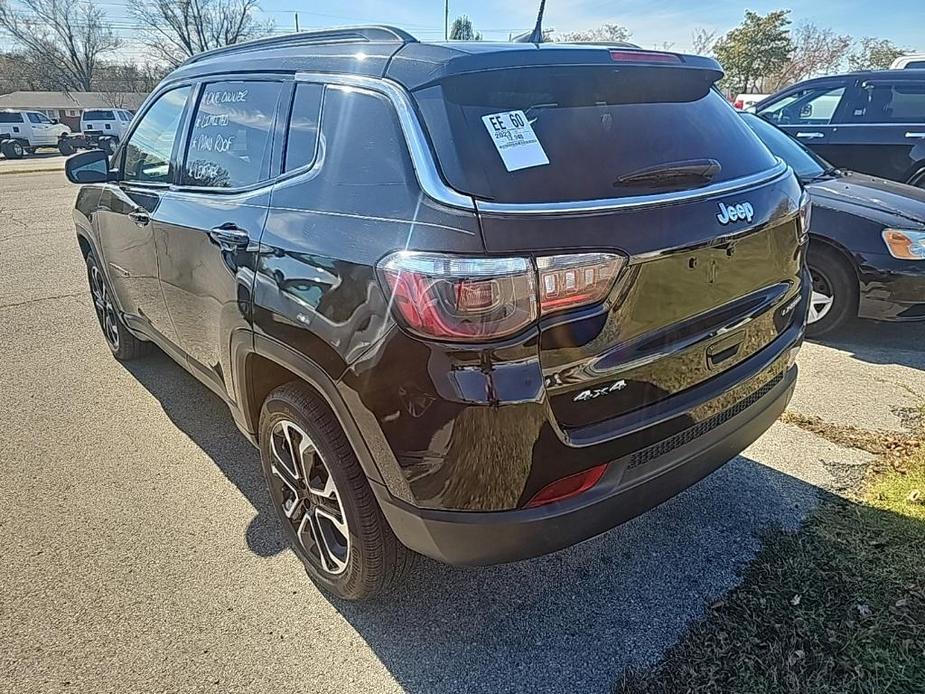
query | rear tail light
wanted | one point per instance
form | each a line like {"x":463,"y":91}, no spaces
{"x":567,"y":487}
{"x":629,"y":56}
{"x":466,"y":299}
{"x":738,"y":104}
{"x":477,"y":299}
{"x":569,"y":281}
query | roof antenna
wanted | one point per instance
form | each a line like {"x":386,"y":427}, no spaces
{"x":537,"y":35}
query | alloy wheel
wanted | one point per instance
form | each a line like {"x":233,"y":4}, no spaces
{"x":304,"y":490}
{"x":822,"y":298}
{"x":105,"y":310}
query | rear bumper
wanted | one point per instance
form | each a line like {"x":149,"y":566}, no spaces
{"x":632,"y":485}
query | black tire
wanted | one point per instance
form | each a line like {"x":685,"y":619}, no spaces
{"x":13,"y":149}
{"x":108,"y":145}
{"x":371,"y":560}
{"x":66,"y":148}
{"x":123,"y":345}
{"x":832,"y":276}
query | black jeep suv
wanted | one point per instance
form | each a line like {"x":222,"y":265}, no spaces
{"x":479,"y":301}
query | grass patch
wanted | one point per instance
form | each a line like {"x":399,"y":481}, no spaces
{"x":837,"y":607}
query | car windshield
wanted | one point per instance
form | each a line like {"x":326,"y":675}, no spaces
{"x":806,"y":164}
{"x":560,"y":133}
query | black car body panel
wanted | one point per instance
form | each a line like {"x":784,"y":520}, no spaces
{"x":872,"y":121}
{"x":850,"y":212}
{"x":254,"y":274}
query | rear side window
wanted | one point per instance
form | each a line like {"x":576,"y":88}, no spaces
{"x":99,"y":115}
{"x":231,"y":135}
{"x":592,"y":126}
{"x":898,"y":102}
{"x":7,"y":117}
{"x":302,"y":134}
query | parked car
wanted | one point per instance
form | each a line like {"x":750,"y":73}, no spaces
{"x":106,"y":126}
{"x":23,"y":132}
{"x":746,"y":101}
{"x":905,"y":62}
{"x":873,"y":122}
{"x":465,"y":308}
{"x":867,"y":239}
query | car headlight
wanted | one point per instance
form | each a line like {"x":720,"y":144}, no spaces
{"x":905,"y":244}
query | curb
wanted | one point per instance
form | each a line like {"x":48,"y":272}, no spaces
{"x":10,"y":172}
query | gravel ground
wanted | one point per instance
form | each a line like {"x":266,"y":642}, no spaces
{"x":140,"y":554}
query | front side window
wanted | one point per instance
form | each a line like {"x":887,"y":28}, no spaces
{"x":302,"y":134}
{"x":38,"y":118}
{"x":148,"y":151}
{"x":231,"y":134}
{"x":814,"y":106}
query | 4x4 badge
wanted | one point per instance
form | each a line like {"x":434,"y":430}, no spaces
{"x":592,"y":393}
{"x":740,"y":212}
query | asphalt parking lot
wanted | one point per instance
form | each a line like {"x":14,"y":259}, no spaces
{"x":140,"y":553}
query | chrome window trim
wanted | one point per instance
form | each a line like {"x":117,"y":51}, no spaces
{"x":635,"y":202}
{"x":424,"y":166}
{"x":435,"y":188}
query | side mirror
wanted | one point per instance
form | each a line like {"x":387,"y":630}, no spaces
{"x":54,"y":121}
{"x":88,"y":167}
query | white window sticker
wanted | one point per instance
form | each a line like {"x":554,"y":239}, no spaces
{"x":515,"y":140}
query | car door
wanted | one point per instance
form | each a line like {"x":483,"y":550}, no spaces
{"x":145,"y":170}
{"x":808,"y":114}
{"x":884,"y":131}
{"x":208,"y":227}
{"x":42,"y":129}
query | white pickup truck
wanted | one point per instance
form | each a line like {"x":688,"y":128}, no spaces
{"x":22,"y":132}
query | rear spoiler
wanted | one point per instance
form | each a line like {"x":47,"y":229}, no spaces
{"x":416,"y":66}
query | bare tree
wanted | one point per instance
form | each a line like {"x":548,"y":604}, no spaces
{"x":703,"y":40}
{"x":874,"y":54}
{"x":606,"y":33}
{"x":178,"y":29}
{"x":63,"y":39}
{"x":816,"y":51}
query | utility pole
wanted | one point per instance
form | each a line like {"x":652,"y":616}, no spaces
{"x":446,"y":20}
{"x":297,"y":22}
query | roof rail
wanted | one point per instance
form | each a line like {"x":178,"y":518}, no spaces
{"x":336,"y":35}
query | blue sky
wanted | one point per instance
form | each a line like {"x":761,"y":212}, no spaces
{"x":651,"y":21}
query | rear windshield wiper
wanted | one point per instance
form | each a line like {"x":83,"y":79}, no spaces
{"x":694,"y":170}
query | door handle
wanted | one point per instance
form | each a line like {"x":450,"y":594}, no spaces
{"x":140,"y":217}
{"x":916,"y":136}
{"x":230,"y":237}
{"x":810,"y":136}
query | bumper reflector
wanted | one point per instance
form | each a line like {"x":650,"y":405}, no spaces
{"x":568,"y":486}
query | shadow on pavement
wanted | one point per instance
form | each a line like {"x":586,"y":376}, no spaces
{"x":202,"y":416}
{"x":878,"y":342}
{"x":569,"y":621}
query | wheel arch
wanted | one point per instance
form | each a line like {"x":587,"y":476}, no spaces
{"x":839,"y":249}
{"x":268,"y":364}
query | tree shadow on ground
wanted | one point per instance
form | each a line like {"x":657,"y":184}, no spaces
{"x":573,"y":620}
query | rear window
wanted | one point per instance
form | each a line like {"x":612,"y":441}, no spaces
{"x":7,"y":117}
{"x":99,"y":115}
{"x":591,"y":126}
